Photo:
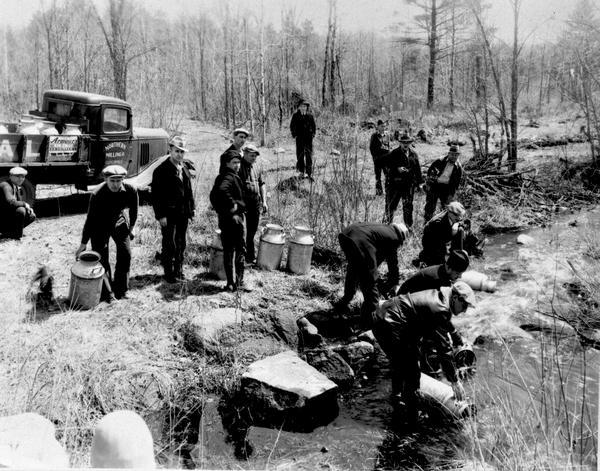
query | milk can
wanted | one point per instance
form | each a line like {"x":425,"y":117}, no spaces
{"x":478,"y":281}
{"x":441,"y":397}
{"x":86,"y":280}
{"x":71,"y":129}
{"x":216,"y":266}
{"x":28,"y":126}
{"x":270,"y":249}
{"x":47,"y":128}
{"x":3,"y":129}
{"x":300,"y":250}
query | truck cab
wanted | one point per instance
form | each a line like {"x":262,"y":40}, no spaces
{"x":90,"y":132}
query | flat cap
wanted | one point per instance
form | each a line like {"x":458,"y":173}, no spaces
{"x":17,"y":171}
{"x":458,"y":260}
{"x":241,"y":131}
{"x":456,"y":208}
{"x":114,"y":171}
{"x":229,"y":155}
{"x":178,"y":142}
{"x":465,"y":292}
{"x":251,"y":148}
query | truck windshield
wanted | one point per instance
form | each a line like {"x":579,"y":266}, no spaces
{"x":115,"y":120}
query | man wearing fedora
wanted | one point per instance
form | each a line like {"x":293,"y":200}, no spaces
{"x":255,"y":196}
{"x":443,"y":178}
{"x":303,"y":129}
{"x":403,"y":175}
{"x":173,"y":202}
{"x":112,"y":214}
{"x":240,"y":135}
{"x":379,"y":146}
{"x":16,"y":212}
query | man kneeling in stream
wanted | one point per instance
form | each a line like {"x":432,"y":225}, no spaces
{"x":400,"y":326}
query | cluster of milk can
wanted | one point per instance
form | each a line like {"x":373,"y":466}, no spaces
{"x":270,"y":250}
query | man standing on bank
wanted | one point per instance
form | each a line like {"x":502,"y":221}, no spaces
{"x":227,"y":198}
{"x":303,"y":129}
{"x":240,"y":135}
{"x":366,"y":246}
{"x":173,"y":202}
{"x":443,"y":178}
{"x":255,"y":196}
{"x":403,"y":176}
{"x":107,"y":217}
{"x":400,"y":326}
{"x":379,"y":146}
{"x":16,"y":212}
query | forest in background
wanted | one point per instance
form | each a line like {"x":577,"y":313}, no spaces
{"x":232,"y":68}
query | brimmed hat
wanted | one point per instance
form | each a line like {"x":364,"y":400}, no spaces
{"x":380,"y":122}
{"x":241,"y":131}
{"x":114,"y":171}
{"x":251,"y":148}
{"x":458,"y":260}
{"x":17,"y":171}
{"x":453,"y":150}
{"x":303,"y":102}
{"x":465,"y":292}
{"x":229,"y":155}
{"x":405,"y":138}
{"x":456,"y":208}
{"x":178,"y":142}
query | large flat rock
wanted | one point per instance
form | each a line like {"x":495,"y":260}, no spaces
{"x":285,"y":389}
{"x":201,"y":333}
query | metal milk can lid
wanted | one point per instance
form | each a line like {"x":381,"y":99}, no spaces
{"x":273,"y":233}
{"x":303,"y":235}
{"x":88,"y":266}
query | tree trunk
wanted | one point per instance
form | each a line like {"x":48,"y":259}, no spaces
{"x":432,"y":55}
{"x":249,"y":114}
{"x":514,"y":91}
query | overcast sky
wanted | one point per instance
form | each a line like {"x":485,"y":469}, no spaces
{"x":544,"y":17}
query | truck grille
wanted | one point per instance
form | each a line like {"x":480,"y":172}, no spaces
{"x":144,"y":154}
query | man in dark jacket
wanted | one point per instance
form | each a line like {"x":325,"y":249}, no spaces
{"x":227,"y":198}
{"x":443,"y":178}
{"x":107,"y":218}
{"x":16,"y":212}
{"x":436,"y":276}
{"x":303,"y":128}
{"x":173,"y":202}
{"x":400,"y":325}
{"x":379,"y":146}
{"x":441,"y":233}
{"x":366,"y":246}
{"x":403,"y":176}
{"x":255,"y":196}
{"x":240,"y":135}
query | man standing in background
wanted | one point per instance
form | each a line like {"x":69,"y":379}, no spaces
{"x":379,"y":146}
{"x":239,"y":139}
{"x":303,"y":129}
{"x":443,"y":178}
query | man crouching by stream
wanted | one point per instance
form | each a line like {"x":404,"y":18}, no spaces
{"x":400,"y":326}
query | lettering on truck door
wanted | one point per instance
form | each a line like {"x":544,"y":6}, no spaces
{"x":118,"y":153}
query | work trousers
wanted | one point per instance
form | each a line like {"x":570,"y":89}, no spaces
{"x":120,"y":283}
{"x":304,"y":151}
{"x":14,"y":221}
{"x":252,"y":220}
{"x":357,"y":275}
{"x":434,"y":193}
{"x":393,"y":194}
{"x":378,"y":171}
{"x":173,"y":244}
{"x":233,"y":239}
{"x":402,"y":349}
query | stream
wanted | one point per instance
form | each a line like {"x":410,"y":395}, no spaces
{"x":536,"y":391}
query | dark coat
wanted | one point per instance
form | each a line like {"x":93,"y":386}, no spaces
{"x":433,"y":277}
{"x":435,"y":170}
{"x":374,"y":244}
{"x":8,"y":202}
{"x":302,"y":126}
{"x":423,"y":314}
{"x":172,"y":196}
{"x":226,"y":193}
{"x":378,"y":145}
{"x":402,"y":168}
{"x":437,"y":233}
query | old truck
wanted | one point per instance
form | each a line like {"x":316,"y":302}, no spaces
{"x":74,"y":136}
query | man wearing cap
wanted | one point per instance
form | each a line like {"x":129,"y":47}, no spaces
{"x":239,"y":140}
{"x":403,"y":175}
{"x":379,"y":146}
{"x":443,"y":178}
{"x":255,"y":196}
{"x":227,"y":198}
{"x":402,"y":322}
{"x":441,"y":232}
{"x":16,"y":212}
{"x":366,"y":246}
{"x":173,"y":202}
{"x":303,"y":129}
{"x":107,"y":218}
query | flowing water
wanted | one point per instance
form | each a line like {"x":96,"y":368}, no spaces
{"x":536,"y":391}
